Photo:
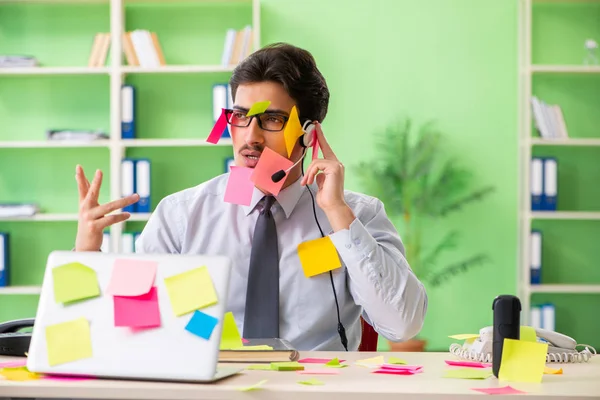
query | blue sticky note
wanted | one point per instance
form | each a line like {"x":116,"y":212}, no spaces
{"x":201,"y":324}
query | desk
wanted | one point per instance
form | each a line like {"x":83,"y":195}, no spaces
{"x":354,"y":382}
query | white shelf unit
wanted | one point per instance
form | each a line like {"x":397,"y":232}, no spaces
{"x":117,"y":71}
{"x":526,"y":142}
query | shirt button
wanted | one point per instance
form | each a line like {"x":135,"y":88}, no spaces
{"x":348,"y":245}
{"x":357,"y":242}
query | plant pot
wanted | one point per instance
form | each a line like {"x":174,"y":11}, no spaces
{"x":412,"y":345}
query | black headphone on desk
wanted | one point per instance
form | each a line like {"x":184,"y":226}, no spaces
{"x":306,"y":140}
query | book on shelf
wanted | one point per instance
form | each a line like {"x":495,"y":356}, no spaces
{"x":135,"y":178}
{"x":549,"y":119}
{"x":543,"y":316}
{"x":544,"y":183}
{"x":238,"y":46}
{"x":10,"y":210}
{"x":78,"y":135}
{"x":4,"y":259}
{"x":17,"y":61}
{"x":140,"y":47}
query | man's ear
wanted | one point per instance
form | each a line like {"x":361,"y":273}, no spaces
{"x":307,"y":138}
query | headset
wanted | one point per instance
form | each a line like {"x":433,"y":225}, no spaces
{"x":306,"y":140}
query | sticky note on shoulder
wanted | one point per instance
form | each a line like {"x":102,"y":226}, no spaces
{"x":191,"y":290}
{"x":68,"y":341}
{"x":318,"y":256}
{"x":73,"y":282}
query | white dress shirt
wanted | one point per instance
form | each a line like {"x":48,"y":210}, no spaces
{"x":375,"y":280}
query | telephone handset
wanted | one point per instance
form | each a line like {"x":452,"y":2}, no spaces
{"x":12,"y":341}
{"x":561,"y":348}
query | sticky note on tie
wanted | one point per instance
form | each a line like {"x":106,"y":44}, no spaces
{"x":318,"y":256}
{"x":269,"y":163}
{"x":218,"y":128}
{"x":137,"y":311}
{"x":230,"y":336}
{"x":293,"y":130}
{"x":468,"y":373}
{"x":191,"y":290}
{"x":527,"y":334}
{"x":258,"y":108}
{"x":74,"y":281}
{"x":522,"y":361}
{"x":202,"y":324}
{"x":131,"y":277}
{"x":68,"y":341}
{"x":239,"y":188}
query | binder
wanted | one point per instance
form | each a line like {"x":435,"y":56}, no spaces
{"x":220,"y":101}
{"x":128,"y":182}
{"x":105,"y":247}
{"x":127,"y":112}
{"x":127,"y":244}
{"x":550,"y":184}
{"x":226,"y":133}
{"x":535,"y":317}
{"x":136,"y":236}
{"x":4,"y":259}
{"x":536,"y":257}
{"x":536,"y":183}
{"x":228,"y":163}
{"x":142,"y":184}
{"x":548,"y":317}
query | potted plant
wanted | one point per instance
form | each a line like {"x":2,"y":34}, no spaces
{"x":420,"y":184}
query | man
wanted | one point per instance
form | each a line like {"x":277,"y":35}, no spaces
{"x":269,"y":293}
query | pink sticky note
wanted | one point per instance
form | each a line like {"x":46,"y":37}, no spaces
{"x":396,"y":371}
{"x":397,"y":367}
{"x":137,"y":311}
{"x":316,"y":360}
{"x":13,"y":364}
{"x":315,"y":146}
{"x":218,"y":129}
{"x":239,"y":186}
{"x":471,"y":364}
{"x":131,"y":277}
{"x":328,"y":371}
{"x":269,"y":163}
{"x":67,"y":377}
{"x":245,"y":340}
{"x":499,"y":390}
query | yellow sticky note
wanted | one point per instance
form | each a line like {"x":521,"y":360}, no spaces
{"x":259,"y":367}
{"x":553,"y":371}
{"x":468,"y":373}
{"x":293,"y":130}
{"x":311,"y":382}
{"x":318,"y":256}
{"x":396,"y":360}
{"x":258,"y":108}
{"x":253,"y":387}
{"x":18,"y":374}
{"x":68,"y":341}
{"x":527,"y":334}
{"x":191,"y":290}
{"x":522,"y":361}
{"x":370,"y":362}
{"x":230,"y":336}
{"x":465,"y":336}
{"x":74,"y":281}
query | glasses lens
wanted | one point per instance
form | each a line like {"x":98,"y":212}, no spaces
{"x":238,"y":118}
{"x":272,"y":122}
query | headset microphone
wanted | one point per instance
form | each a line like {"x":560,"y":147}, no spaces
{"x":279,"y":175}
{"x":306,"y":140}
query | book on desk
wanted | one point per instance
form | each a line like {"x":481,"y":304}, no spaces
{"x":281,"y":351}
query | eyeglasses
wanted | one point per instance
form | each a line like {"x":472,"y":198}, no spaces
{"x":266,"y":121}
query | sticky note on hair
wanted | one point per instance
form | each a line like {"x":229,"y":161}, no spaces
{"x":230,"y":335}
{"x":269,"y":163}
{"x":137,"y":311}
{"x":201,"y":324}
{"x":239,"y":186}
{"x":293,"y":130}
{"x":318,"y":256}
{"x":522,"y":361}
{"x":74,"y":281}
{"x":68,"y":341}
{"x":131,"y":277}
{"x":191,"y":290}
{"x":258,"y":108}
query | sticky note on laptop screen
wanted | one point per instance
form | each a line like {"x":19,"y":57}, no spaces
{"x":230,"y":335}
{"x":73,"y":282}
{"x":131,"y":277}
{"x":318,"y":256}
{"x":68,"y":341}
{"x":191,"y":290}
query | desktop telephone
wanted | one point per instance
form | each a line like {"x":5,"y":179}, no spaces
{"x":561,"y":348}
{"x":13,"y":342}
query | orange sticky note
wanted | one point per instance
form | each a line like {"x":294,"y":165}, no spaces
{"x":522,"y":361}
{"x":553,"y":371}
{"x":131,"y":277}
{"x":191,"y":290}
{"x":18,"y":374}
{"x":269,"y":163}
{"x":68,"y":341}
{"x":318,"y":256}
{"x":293,"y":130}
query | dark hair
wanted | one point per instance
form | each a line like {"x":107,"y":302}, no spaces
{"x":292,"y":67}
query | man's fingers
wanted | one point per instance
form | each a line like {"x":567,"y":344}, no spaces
{"x":326,"y":149}
{"x":82,"y":184}
{"x":94,"y":189}
{"x":109,"y":220}
{"x":107,"y":208}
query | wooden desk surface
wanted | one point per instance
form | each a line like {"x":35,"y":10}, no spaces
{"x":354,"y":382}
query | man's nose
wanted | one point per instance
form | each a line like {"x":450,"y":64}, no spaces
{"x":254,"y":135}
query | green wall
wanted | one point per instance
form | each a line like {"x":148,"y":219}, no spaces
{"x":455,"y":62}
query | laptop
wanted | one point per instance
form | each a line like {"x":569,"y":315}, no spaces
{"x":169,"y":332}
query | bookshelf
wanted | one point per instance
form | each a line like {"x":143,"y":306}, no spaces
{"x":174,"y":105}
{"x":551,"y":52}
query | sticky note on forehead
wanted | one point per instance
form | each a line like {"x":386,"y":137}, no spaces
{"x":258,"y":108}
{"x":293,"y":130}
{"x":318,"y":256}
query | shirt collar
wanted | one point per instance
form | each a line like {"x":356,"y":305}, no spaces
{"x":287,"y":198}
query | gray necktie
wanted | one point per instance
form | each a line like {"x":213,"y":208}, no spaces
{"x":261,"y":318}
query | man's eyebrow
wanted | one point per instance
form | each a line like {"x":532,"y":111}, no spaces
{"x":269,"y":110}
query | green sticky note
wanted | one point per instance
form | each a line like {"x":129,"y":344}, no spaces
{"x":396,"y":360}
{"x":230,"y":336}
{"x":191,"y":290}
{"x":333,"y":362}
{"x":258,"y":108}
{"x":260,"y":367}
{"x":468,"y":373}
{"x":522,"y":361}
{"x":465,"y":336}
{"x":527,"y":334}
{"x":311,"y":382}
{"x":287,"y":366}
{"x":336,"y":366}
{"x":68,"y":341}
{"x":261,"y":347}
{"x":74,"y":281}
{"x":253,"y":387}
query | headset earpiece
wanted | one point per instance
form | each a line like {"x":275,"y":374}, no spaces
{"x":306,"y":140}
